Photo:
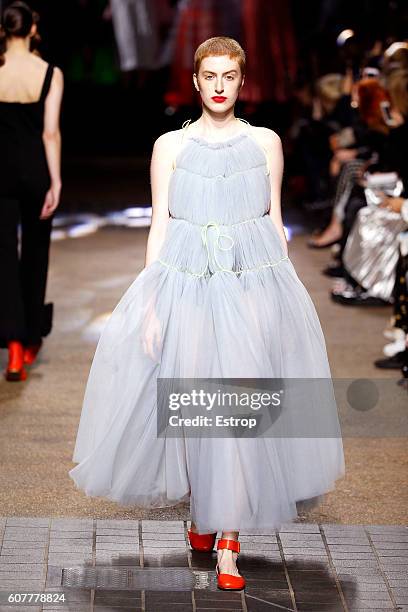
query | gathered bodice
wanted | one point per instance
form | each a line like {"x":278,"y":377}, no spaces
{"x":219,"y":198}
{"x":229,"y":180}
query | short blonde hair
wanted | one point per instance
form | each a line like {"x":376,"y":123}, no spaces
{"x":220,"y":45}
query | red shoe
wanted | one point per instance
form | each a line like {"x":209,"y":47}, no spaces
{"x":229,"y":582}
{"x":15,"y":368}
{"x":203,"y":543}
{"x":31,"y":352}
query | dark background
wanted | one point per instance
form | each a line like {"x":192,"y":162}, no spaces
{"x":108,"y":126}
{"x":97,"y":116}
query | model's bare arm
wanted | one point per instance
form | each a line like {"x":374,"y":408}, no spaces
{"x":160,"y":172}
{"x":273,"y":146}
{"x":52,"y":142}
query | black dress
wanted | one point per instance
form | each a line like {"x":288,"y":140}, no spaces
{"x":24,"y":182}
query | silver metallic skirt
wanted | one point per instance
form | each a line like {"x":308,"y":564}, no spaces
{"x":372,"y":249}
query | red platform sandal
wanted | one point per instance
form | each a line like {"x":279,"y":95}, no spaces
{"x":15,"y":368}
{"x":203,"y":543}
{"x":229,"y":582}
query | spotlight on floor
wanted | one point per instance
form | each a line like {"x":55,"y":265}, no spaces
{"x":135,"y":216}
{"x":94,"y":329}
{"x":75,"y":225}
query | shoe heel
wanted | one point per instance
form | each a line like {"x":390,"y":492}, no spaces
{"x":15,"y":369}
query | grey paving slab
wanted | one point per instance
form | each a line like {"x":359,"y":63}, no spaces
{"x":65,"y":534}
{"x":117,"y":558}
{"x":25,"y":535}
{"x":386,"y":529}
{"x":26,"y":521}
{"x":131,"y":538}
{"x":20,"y":609}
{"x":60,"y":524}
{"x":22,"y":545}
{"x":31,"y":556}
{"x":163,"y":526}
{"x":120,"y":524}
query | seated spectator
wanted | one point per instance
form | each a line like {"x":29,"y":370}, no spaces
{"x":323,"y":113}
{"x":371,"y":250}
{"x":369,"y":140}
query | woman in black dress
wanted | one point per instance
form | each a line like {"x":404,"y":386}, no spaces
{"x":30,"y":184}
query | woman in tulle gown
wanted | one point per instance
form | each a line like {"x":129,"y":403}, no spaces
{"x":218,"y":298}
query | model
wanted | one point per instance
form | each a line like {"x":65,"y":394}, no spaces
{"x":217,"y":298}
{"x":30,"y":185}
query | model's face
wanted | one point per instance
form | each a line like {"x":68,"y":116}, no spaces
{"x":219,"y":81}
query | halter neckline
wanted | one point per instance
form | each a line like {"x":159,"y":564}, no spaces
{"x":228,"y":142}
{"x":217,"y":143}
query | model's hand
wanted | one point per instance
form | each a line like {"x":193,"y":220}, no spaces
{"x":51,"y":201}
{"x":152,"y":335}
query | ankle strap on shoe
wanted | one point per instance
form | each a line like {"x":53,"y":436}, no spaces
{"x":233,"y":545}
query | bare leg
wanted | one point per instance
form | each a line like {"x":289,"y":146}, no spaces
{"x":227,"y":558}
{"x":332,"y":232}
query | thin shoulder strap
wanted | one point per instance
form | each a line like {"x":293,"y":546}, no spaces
{"x":251,"y":131}
{"x":47,"y":82}
{"x":184,"y":127}
{"x":183,"y":131}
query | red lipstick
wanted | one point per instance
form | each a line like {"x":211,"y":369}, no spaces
{"x":218,"y":98}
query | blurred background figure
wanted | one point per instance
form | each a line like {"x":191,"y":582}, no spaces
{"x":136,"y":27}
{"x":30,"y":185}
{"x":195,"y":21}
{"x":359,"y":145}
{"x":269,"y":39}
{"x":267,"y":33}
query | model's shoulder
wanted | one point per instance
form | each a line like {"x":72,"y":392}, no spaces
{"x":36,"y":64}
{"x":167,"y":139}
{"x":39,"y":66}
{"x":58,"y":74}
{"x":268,"y":137}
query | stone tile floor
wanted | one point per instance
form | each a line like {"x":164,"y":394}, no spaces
{"x":111,"y":565}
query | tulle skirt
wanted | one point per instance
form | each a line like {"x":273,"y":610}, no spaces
{"x":261,"y":324}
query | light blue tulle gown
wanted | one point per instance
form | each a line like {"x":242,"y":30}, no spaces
{"x":228,"y":303}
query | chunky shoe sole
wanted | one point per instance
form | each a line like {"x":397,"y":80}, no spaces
{"x":15,"y":368}
{"x":12,"y":376}
{"x":229,"y":582}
